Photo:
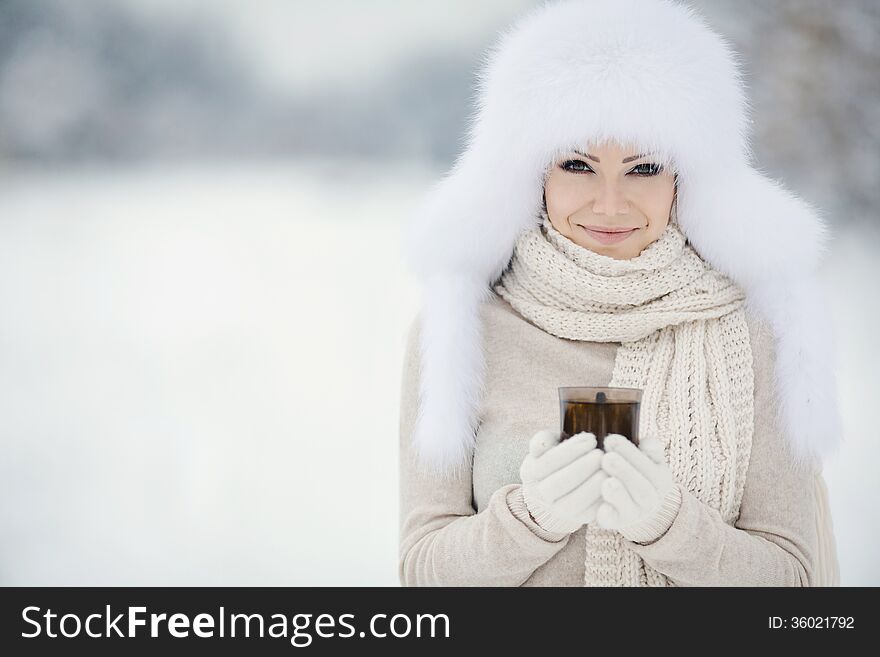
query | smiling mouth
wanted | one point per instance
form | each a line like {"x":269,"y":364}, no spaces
{"x":608,"y":235}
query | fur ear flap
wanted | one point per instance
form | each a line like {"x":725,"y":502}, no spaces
{"x":452,"y":373}
{"x":805,"y":363}
{"x":771,"y":242}
{"x":750,"y":227}
{"x":458,"y":242}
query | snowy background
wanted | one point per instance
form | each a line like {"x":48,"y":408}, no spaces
{"x":203,"y":305}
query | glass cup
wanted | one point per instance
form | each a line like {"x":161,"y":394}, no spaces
{"x":601,"y":411}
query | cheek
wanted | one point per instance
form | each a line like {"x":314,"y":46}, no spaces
{"x":564,"y":194}
{"x":655,"y":200}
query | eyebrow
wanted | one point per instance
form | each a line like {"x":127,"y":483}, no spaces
{"x":625,"y":160}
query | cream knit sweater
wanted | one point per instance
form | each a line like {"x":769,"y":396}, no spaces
{"x":474,"y":530}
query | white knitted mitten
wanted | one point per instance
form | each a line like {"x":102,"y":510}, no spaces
{"x":641,"y":499}
{"x":562,"y":481}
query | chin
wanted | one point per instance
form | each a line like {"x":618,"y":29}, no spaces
{"x":613,"y":252}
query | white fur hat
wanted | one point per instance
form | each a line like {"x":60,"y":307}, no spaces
{"x":653,"y":75}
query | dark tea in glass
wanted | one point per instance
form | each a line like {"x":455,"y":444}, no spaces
{"x":600,"y":410}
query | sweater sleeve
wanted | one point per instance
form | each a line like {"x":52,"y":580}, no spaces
{"x":774,"y":541}
{"x":443,"y":540}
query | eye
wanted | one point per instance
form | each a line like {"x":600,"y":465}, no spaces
{"x":652,"y":169}
{"x":576,"y":166}
{"x":645,"y":169}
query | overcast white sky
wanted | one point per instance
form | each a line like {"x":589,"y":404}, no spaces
{"x":348,"y":41}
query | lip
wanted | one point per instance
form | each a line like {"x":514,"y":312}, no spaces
{"x":608,"y":236}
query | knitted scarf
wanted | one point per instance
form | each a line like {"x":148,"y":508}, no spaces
{"x":683,"y":340}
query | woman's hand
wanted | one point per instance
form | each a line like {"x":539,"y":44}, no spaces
{"x":562,"y":481}
{"x":640,"y":498}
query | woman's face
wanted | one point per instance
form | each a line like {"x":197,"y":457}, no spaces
{"x":609,"y":188}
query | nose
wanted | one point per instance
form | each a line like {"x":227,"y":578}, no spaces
{"x":610,"y":200}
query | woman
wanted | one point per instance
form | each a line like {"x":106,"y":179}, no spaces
{"x":597,"y":117}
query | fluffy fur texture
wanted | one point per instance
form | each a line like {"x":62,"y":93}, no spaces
{"x":646,"y":73}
